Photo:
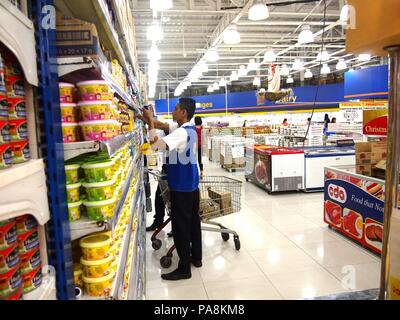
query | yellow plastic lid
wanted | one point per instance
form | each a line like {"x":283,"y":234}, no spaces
{"x":104,"y":164}
{"x":102,"y":279}
{"x":99,"y":184}
{"x":72,"y":166}
{"x":96,"y":262}
{"x":73,"y":186}
{"x":77,"y":269}
{"x":95,"y":241}
{"x":99,"y":203}
{"x":74,"y":204}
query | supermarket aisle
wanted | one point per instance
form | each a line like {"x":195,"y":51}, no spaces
{"x":287,"y":253}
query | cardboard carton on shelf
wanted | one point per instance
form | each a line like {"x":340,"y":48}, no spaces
{"x":365,"y":170}
{"x":75,"y":37}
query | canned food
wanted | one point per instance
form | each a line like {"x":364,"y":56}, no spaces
{"x":18,"y":129}
{"x":20,"y":151}
{"x":30,"y":260}
{"x":5,"y":156}
{"x":28,"y":241}
{"x":3,"y":106}
{"x":9,"y":258}
{"x":4,"y":131}
{"x":26,"y":223}
{"x":16,"y":108}
{"x":15,"y":86}
{"x":32,"y":280}
{"x":15,"y":296}
{"x":10,"y":282}
{"x":8,"y":235}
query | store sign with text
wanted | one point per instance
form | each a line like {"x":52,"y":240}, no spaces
{"x":354,"y":207}
{"x":206,"y":105}
{"x":375,"y":120}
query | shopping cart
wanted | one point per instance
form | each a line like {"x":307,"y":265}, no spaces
{"x":219,"y":196}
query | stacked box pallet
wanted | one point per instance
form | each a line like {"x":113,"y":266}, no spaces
{"x":369,"y":154}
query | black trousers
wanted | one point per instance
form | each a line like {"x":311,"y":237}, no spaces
{"x":186,"y":228}
{"x":159,"y":207}
{"x":199,"y":157}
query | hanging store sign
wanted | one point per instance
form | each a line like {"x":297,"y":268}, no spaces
{"x":375,"y":119}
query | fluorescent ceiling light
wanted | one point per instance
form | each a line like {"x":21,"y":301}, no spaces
{"x":154,"y":32}
{"x":308,"y":74}
{"x":252,"y":65}
{"x":203,"y":67}
{"x":231,"y":35}
{"x":222,"y":82}
{"x":212,"y":55}
{"x":257,"y":81}
{"x":297,"y":65}
{"x":154,"y":54}
{"x":161,"y":5}
{"x":344,"y":14}
{"x":341,"y":65}
{"x":323,"y":56}
{"x":258,"y":11}
{"x":306,"y":35}
{"x":284,"y":70}
{"x":242,"y":70}
{"x":364,"y":57}
{"x":325,"y":69}
{"x":269,"y":56}
{"x":289,"y":80}
{"x":210,"y":89}
{"x":215,"y":86}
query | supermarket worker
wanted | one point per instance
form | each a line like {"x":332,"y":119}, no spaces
{"x":183,"y":183}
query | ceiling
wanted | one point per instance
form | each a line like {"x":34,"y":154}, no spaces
{"x":191,"y":26}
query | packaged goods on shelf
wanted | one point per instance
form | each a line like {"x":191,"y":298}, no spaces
{"x":94,"y":90}
{"x":69,"y":113}
{"x":75,"y":37}
{"x":224,"y":200}
{"x":96,"y":110}
{"x":368,"y":154}
{"x":67,"y":92}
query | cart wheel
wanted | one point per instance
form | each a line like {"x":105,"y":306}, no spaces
{"x":237,"y":242}
{"x":225,"y":236}
{"x":166,"y":262}
{"x":247,"y":180}
{"x":156,"y":244}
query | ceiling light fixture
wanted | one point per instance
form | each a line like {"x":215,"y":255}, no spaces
{"x":212,"y":55}
{"x":154,"y":32}
{"x":215,"y":86}
{"x":269,"y":56}
{"x":257,"y":81}
{"x":308,"y":74}
{"x":341,"y":65}
{"x":258,"y":11}
{"x":231,"y":35}
{"x":306,"y":35}
{"x":222,"y":82}
{"x":154,"y":54}
{"x":252,"y":65}
{"x":297,"y":65}
{"x":325,"y":69}
{"x":161,"y":5}
{"x":210,"y":89}
{"x":242,"y":70}
{"x":364,"y":57}
{"x":323,"y":56}
{"x":234,"y":76}
{"x":289,"y":80}
{"x":284,"y":70}
{"x":203,"y":67}
{"x":344,"y":13}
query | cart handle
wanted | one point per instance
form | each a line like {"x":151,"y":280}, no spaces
{"x":157,"y":173}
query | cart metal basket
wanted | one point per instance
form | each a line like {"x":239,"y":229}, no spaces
{"x":219,"y":196}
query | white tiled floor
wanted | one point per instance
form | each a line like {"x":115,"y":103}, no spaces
{"x":287,"y":252}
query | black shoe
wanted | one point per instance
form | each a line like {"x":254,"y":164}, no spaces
{"x":176,"y":275}
{"x":196,"y":263}
{"x":170,"y":235}
{"x":154,"y":226}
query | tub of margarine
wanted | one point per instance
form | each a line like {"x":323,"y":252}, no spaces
{"x":100,"y":130}
{"x":96,"y":268}
{"x":74,"y":210}
{"x":100,"y":210}
{"x":94,"y":90}
{"x":9,"y":258}
{"x":99,"y":287}
{"x":99,"y":191}
{"x":95,"y":247}
{"x":10,"y":282}
{"x":32,"y":279}
{"x":70,"y":132}
{"x":73,"y":192}
{"x":71,"y":173}
{"x":66,"y":92}
{"x":98,"y":171}
{"x":8,"y":234}
{"x":95,"y":110}
{"x":78,"y":274}
{"x":28,"y":241}
{"x":69,"y":113}
{"x":26,"y":223}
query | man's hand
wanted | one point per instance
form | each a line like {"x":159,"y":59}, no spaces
{"x":141,"y":117}
{"x":148,"y":116}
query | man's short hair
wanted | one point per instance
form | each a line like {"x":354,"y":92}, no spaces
{"x":189,"y":105}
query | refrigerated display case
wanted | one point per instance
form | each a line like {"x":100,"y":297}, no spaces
{"x":275,"y":169}
{"x":354,"y":205}
{"x":317,"y":158}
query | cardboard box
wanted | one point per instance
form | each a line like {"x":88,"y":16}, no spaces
{"x":208,"y":207}
{"x":76,"y":37}
{"x":370,"y":157}
{"x":224,"y":199}
{"x":365,"y":170}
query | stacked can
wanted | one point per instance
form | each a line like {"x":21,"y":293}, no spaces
{"x":5,"y":146}
{"x":15,"y":95}
{"x":20,"y":263}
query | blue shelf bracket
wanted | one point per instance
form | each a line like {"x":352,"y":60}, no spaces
{"x":51,"y":146}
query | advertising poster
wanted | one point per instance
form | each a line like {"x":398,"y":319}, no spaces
{"x":375,"y":121}
{"x":261,"y":171}
{"x":355,"y":207}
